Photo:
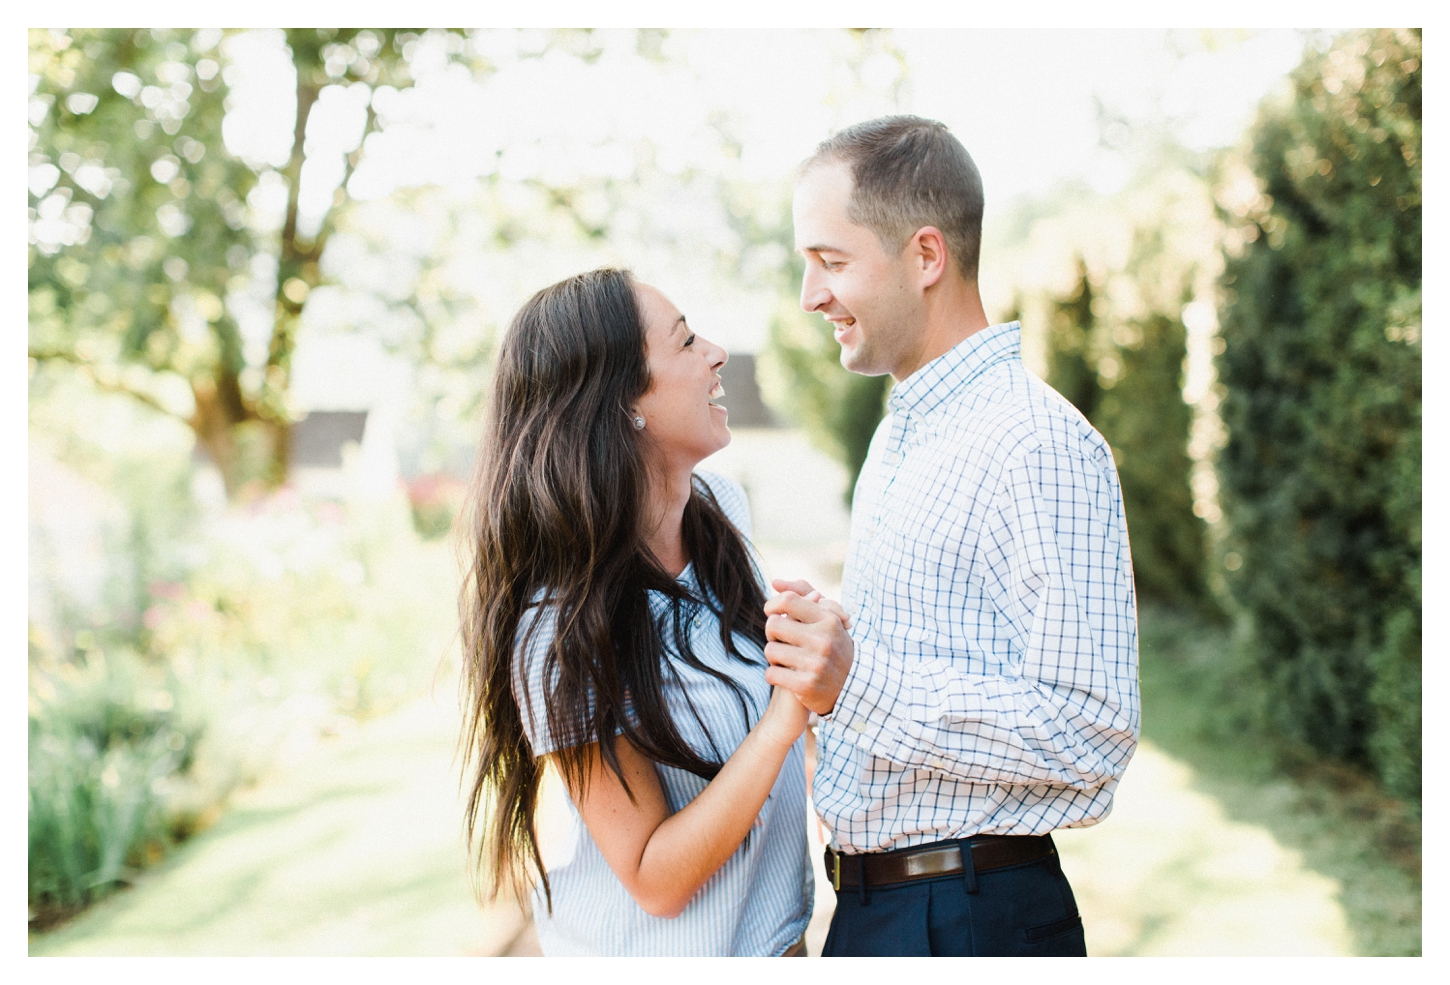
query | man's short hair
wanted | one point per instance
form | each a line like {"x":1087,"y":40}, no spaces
{"x":907,"y":173}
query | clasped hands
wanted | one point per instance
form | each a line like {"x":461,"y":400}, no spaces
{"x":807,"y":645}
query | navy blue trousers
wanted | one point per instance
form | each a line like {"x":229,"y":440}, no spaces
{"x":1023,"y":910}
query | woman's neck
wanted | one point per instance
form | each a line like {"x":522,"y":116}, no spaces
{"x":669,"y":492}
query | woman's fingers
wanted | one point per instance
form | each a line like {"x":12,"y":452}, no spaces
{"x":806,"y":608}
{"x":786,"y":679}
{"x":799,"y":585}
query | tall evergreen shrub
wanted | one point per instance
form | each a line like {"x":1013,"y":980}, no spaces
{"x":1125,"y":373}
{"x":1320,"y":479}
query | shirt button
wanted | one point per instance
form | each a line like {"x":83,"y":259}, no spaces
{"x":859,"y":726}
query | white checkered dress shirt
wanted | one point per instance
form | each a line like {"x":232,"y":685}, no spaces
{"x":995,"y":683}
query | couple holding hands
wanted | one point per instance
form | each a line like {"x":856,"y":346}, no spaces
{"x":976,"y":684}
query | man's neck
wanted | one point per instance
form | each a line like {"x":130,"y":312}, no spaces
{"x":954,"y":313}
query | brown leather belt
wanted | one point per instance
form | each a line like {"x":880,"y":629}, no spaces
{"x":942,"y":858}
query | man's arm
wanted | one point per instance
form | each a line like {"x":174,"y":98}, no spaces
{"x":1055,"y":554}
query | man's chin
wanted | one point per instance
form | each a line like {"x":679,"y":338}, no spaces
{"x":856,"y":361}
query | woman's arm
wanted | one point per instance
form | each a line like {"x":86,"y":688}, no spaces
{"x":663,"y":859}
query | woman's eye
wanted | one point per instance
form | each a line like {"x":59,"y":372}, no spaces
{"x":690,"y":340}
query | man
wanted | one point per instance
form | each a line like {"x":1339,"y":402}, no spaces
{"x":986,"y":690}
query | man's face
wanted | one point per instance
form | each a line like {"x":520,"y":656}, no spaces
{"x":868,"y":295}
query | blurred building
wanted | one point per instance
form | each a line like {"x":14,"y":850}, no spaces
{"x":742,"y":394}
{"x":352,"y":395}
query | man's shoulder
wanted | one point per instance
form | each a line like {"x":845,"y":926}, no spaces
{"x":1012,"y":413}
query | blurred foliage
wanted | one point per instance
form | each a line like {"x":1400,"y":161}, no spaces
{"x":1322,"y":376}
{"x":221,"y":638}
{"x":142,"y":224}
{"x":108,"y":742}
{"x":1071,"y":370}
{"x":1125,"y":374}
{"x":435,"y":500}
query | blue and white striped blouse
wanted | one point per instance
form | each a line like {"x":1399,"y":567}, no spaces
{"x":759,"y":902}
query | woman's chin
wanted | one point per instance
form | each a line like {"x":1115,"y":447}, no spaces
{"x":721,"y":437}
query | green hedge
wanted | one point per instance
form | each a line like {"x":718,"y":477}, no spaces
{"x":1320,"y":479}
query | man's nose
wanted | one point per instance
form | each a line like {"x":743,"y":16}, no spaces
{"x":814,"y":294}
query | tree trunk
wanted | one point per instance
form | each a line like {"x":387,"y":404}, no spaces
{"x":247,"y":449}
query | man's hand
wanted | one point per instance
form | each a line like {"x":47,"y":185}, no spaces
{"x":807,"y":645}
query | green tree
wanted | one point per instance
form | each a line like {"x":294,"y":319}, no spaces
{"x":1124,"y":371}
{"x":1322,"y":377}
{"x":140,"y":225}
{"x":1071,"y":363}
{"x":1142,"y":414}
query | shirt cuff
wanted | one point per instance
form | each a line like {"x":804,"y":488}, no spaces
{"x":862,"y":714}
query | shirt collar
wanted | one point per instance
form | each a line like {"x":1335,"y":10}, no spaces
{"x":926,"y":389}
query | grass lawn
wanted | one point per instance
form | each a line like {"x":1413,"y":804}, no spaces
{"x":1199,"y":711}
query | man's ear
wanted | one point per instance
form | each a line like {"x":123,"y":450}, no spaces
{"x":928,"y":248}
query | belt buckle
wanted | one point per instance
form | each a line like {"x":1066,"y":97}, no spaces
{"x":836,"y":869}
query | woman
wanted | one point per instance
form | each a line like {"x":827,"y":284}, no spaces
{"x":613,"y":625}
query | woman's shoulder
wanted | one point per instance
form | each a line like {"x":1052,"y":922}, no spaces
{"x":731,"y":497}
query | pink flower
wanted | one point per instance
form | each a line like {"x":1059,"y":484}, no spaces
{"x":172,"y":591}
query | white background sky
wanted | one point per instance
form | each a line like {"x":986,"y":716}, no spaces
{"x":1021,"y":100}
{"x":1024,"y":102}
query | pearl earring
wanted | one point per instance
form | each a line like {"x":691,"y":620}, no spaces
{"x":639,"y":423}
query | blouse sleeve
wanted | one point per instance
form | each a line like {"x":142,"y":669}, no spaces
{"x":531,"y":649}
{"x":532,"y":690}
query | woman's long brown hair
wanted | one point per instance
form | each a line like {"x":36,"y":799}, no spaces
{"x":556,"y":519}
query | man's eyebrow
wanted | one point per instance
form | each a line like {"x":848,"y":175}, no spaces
{"x":822,"y":248}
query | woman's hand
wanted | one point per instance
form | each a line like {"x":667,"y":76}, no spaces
{"x":785,"y":717}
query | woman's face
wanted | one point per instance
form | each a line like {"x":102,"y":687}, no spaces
{"x":679,"y":414}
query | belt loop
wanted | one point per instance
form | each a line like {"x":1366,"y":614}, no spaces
{"x":861,"y":877}
{"x":969,"y":869}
